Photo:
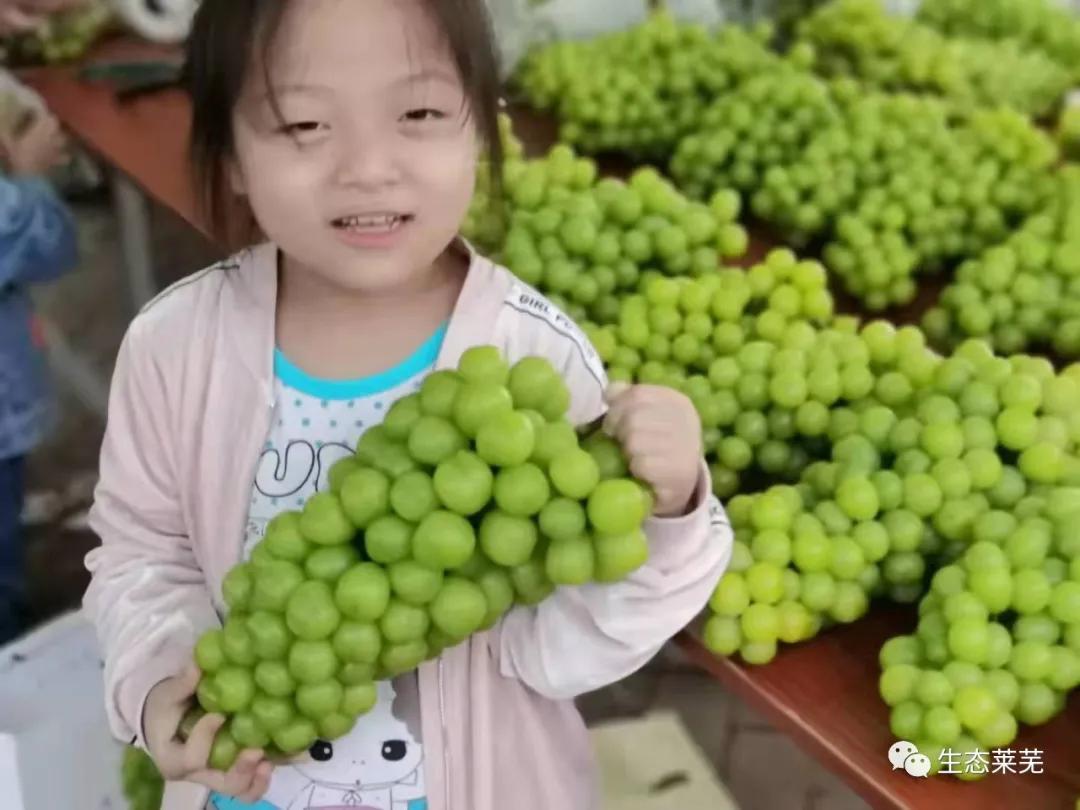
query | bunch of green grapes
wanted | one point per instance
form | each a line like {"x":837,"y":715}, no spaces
{"x":64,"y":36}
{"x":813,"y":555}
{"x":1024,"y":291}
{"x":1039,"y":25}
{"x":474,"y":494}
{"x":787,"y":14}
{"x":860,"y":38}
{"x":638,"y":91}
{"x":750,"y":350}
{"x":998,"y":638}
{"x":932,"y":193}
{"x":142,"y":783}
{"x":856,"y":524}
{"x":965,"y":432}
{"x":485,"y":221}
{"x":762,"y":599}
{"x":585,"y":242}
{"x":917,"y":464}
{"x":1068,"y":131}
{"x":891,"y":184}
{"x":767,"y":121}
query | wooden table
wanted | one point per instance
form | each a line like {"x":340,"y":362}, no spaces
{"x":143,"y":142}
{"x":145,"y":138}
{"x":823,"y":693}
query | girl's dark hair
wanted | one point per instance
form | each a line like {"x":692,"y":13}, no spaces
{"x":219,"y":54}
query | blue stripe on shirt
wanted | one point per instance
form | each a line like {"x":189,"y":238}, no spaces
{"x":423,"y":358}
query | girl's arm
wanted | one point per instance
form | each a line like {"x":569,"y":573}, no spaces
{"x":147,"y":595}
{"x":37,"y":234}
{"x":583,"y":638}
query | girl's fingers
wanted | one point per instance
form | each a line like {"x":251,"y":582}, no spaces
{"x":656,"y":427}
{"x":169,"y":758}
{"x":636,"y":448}
{"x":215,"y":780}
{"x":240,"y":779}
{"x":182,"y":688}
{"x":634,"y":406}
{"x":639,"y":438}
{"x":231,"y":783}
{"x":200,"y":741}
{"x":615,"y":390}
{"x":259,"y":784}
{"x":650,"y":469}
{"x":240,"y":776}
{"x":247,"y":761}
{"x":170,"y":704}
{"x":615,"y":422}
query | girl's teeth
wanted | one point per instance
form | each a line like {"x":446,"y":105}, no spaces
{"x":380,"y":222}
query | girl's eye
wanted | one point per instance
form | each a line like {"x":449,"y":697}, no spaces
{"x":423,"y":114}
{"x":301,"y":128}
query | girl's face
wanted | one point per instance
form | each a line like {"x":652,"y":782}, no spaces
{"x":367,"y":174}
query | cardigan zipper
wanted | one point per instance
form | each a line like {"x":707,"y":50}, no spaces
{"x":445,"y":747}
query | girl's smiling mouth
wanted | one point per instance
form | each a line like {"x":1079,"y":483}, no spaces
{"x":374,"y":229}
{"x":376,"y":222}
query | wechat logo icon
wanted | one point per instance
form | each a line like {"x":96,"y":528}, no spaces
{"x":905,"y":755}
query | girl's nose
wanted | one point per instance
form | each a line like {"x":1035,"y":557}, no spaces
{"x":366,"y":160}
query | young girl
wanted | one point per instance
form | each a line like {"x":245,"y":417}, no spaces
{"x":352,"y":129}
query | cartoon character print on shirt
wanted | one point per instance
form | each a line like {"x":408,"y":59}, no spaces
{"x":280,"y":476}
{"x":376,"y":766}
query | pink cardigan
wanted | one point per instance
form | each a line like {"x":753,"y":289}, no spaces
{"x":190,"y":407}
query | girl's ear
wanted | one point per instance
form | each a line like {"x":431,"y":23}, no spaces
{"x":236,"y":179}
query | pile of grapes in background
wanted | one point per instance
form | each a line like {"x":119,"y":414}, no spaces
{"x":767,"y":121}
{"x":1038,"y":25}
{"x":585,"y":242}
{"x":485,"y":221}
{"x":998,"y":636}
{"x":876,"y":461}
{"x":1025,"y":291}
{"x":61,"y":37}
{"x":474,"y":494}
{"x":1068,"y":132}
{"x":898,"y":462}
{"x":860,"y":38}
{"x":965,"y":466}
{"x":915,"y":465}
{"x":885,"y":186}
{"x":638,"y":91}
{"x":888,"y":185}
{"x":882,"y":185}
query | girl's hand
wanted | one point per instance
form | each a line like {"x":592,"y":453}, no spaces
{"x":187,"y":761}
{"x":660,"y":433}
{"x":38,"y":148}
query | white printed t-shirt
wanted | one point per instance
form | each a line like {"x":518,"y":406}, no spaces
{"x":379,"y":764}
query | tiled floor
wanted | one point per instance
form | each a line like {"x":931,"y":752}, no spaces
{"x":762,"y":768}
